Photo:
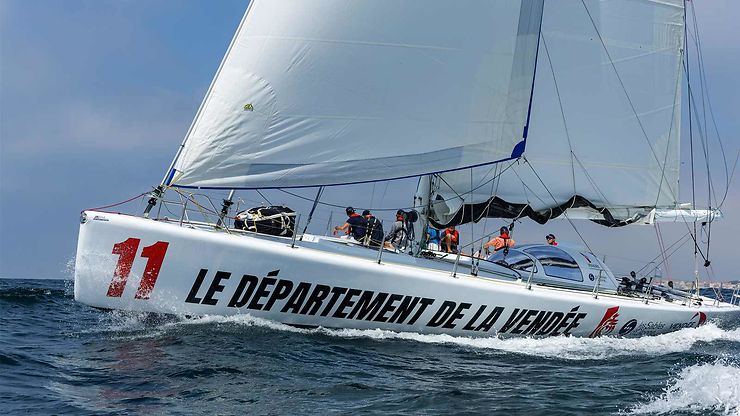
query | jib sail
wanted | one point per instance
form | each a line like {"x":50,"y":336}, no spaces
{"x":327,"y":92}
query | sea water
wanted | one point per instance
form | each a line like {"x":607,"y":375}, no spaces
{"x":61,"y":357}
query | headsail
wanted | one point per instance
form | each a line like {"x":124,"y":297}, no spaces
{"x":605,"y":120}
{"x":333,"y":91}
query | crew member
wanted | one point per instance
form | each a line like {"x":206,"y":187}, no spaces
{"x":433,"y":238}
{"x":502,"y":241}
{"x":374,"y":230}
{"x":550,"y":238}
{"x":450,"y":239}
{"x":355,"y":226}
{"x":641,"y":285}
{"x":397,"y":234}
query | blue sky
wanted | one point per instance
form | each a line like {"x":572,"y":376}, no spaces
{"x":96,"y":95}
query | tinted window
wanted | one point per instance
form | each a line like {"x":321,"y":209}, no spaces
{"x":515,"y":260}
{"x":557,"y":263}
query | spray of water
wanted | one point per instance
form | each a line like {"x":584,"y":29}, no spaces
{"x":699,"y":389}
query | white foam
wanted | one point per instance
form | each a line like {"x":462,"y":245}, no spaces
{"x":699,"y":388}
{"x":244,"y":319}
{"x":569,"y":348}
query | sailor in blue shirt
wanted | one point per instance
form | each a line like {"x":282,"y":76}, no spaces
{"x":355,"y":226}
{"x":433,"y":238}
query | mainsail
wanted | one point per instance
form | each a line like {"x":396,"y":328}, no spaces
{"x":328,"y":92}
{"x":604,"y":137}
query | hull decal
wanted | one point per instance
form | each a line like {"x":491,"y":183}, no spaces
{"x":608,"y":322}
{"x":273,"y":294}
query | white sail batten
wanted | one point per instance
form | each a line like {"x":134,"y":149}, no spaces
{"x":334,"y":91}
{"x":606,"y":113}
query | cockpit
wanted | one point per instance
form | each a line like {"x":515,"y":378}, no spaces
{"x":554,"y":265}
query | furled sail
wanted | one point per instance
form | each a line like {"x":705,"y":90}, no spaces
{"x":604,"y":136}
{"x":327,"y":92}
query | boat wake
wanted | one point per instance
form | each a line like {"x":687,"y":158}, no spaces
{"x":569,"y":348}
{"x":701,"y":388}
{"x":129,"y":325}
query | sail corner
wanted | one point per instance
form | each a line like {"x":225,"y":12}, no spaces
{"x":518,"y":149}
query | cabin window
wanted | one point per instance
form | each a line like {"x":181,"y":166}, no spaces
{"x":515,"y":259}
{"x":557,"y":263}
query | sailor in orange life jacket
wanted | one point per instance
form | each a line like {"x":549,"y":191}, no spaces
{"x":551,"y":240}
{"x":450,"y":239}
{"x":503,"y":240}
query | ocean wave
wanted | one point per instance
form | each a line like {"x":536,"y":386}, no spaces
{"x":28,"y":295}
{"x":568,"y":348}
{"x":698,"y":389}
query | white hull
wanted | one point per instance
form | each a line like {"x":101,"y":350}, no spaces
{"x":321,"y":283}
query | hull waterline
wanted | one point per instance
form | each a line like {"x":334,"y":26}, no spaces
{"x":135,"y":264}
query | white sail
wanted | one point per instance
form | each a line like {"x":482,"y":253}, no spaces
{"x":343,"y":91}
{"x":616,"y":70}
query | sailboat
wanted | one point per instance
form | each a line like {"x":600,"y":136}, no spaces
{"x":331,"y":92}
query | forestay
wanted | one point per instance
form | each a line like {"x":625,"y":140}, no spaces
{"x":325,"y":92}
{"x":605,"y":119}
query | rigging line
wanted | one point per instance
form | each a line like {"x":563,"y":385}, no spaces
{"x":702,"y":74}
{"x":710,"y":190}
{"x":263,"y":197}
{"x":497,"y":181}
{"x":453,"y":189}
{"x":704,"y":97}
{"x":485,"y":221}
{"x":675,"y":250}
{"x":372,"y":195}
{"x":691,"y":130}
{"x":591,"y":180}
{"x":654,"y":259}
{"x":687,"y":67}
{"x":556,"y":201}
{"x":394,"y":209}
{"x":661,"y":245}
{"x":461,"y":195}
{"x":562,"y":113}
{"x":701,"y":82}
{"x":463,"y":198}
{"x":527,"y":190}
{"x":691,"y":141}
{"x":117,"y":203}
{"x":385,"y":192}
{"x":472,"y":220}
{"x":624,"y":88}
{"x":676,"y":98}
{"x":704,"y":145}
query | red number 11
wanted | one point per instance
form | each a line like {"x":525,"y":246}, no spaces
{"x":126,"y":251}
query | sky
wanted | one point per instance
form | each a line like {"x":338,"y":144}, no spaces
{"x":96,"y":95}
